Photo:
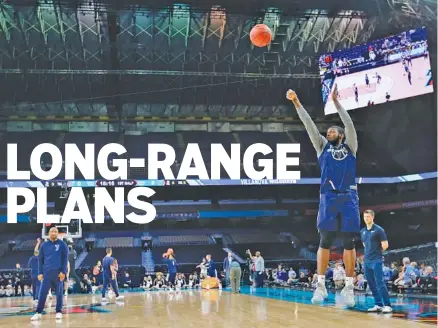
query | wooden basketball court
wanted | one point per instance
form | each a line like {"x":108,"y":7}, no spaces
{"x":195,"y":308}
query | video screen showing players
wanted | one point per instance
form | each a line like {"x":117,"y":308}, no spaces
{"x":388,"y":69}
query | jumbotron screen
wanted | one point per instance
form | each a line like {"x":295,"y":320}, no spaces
{"x":388,"y":69}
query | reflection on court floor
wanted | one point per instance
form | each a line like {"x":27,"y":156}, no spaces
{"x":214,"y":308}
{"x":420,"y":309}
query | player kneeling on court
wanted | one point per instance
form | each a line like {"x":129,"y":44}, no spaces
{"x":53,"y":259}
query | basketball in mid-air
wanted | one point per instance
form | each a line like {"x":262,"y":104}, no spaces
{"x":260,"y":35}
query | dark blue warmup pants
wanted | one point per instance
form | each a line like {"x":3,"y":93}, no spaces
{"x":51,"y":281}
{"x":259,"y":279}
{"x":109,"y":281}
{"x":374,"y":275}
{"x":172,"y":277}
{"x":35,"y":286}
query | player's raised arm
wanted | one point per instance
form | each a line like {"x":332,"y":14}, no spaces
{"x":37,"y":246}
{"x":316,"y":138}
{"x":350,"y":131}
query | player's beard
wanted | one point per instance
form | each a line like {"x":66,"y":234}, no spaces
{"x":336,"y":142}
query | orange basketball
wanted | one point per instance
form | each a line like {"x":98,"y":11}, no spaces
{"x":260,"y":35}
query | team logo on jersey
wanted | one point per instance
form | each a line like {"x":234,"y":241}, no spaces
{"x":56,"y":248}
{"x":338,"y":154}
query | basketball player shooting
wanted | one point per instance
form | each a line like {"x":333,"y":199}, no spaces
{"x":169,"y":258}
{"x":53,"y":259}
{"x":338,"y":214}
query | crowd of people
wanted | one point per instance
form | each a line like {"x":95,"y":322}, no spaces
{"x":380,"y":50}
{"x":408,"y":275}
{"x":399,"y":278}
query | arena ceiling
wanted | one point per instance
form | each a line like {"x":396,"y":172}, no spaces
{"x":117,"y":52}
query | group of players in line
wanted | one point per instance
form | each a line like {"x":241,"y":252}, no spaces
{"x":51,"y":270}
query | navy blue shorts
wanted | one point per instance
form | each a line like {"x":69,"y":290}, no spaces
{"x":345,"y":205}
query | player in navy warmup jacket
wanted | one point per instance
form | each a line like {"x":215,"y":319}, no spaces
{"x":110,"y":275}
{"x":52,"y":269}
{"x":171,"y":267}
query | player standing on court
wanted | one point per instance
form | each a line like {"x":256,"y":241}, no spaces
{"x":169,"y":258}
{"x":36,"y":249}
{"x":109,"y":276}
{"x":375,"y":241}
{"x":33,"y":265}
{"x":53,"y":259}
{"x":338,"y":194}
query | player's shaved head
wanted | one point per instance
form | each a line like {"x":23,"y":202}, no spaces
{"x":53,"y":233}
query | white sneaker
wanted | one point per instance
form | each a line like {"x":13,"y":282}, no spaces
{"x":348,"y":294}
{"x":120,"y":297}
{"x":387,"y":309}
{"x":104,"y":299}
{"x":375,"y":308}
{"x":66,"y":294}
{"x":319,"y":294}
{"x":58,"y":316}
{"x":36,"y":317}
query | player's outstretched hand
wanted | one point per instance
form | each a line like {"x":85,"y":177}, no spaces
{"x":61,"y":276}
{"x":291,"y":95}
{"x":40,"y":277}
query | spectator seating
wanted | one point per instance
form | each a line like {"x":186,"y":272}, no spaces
{"x":9,"y":259}
{"x":259,"y":237}
{"x":183,"y":240}
{"x":118,"y":242}
{"x":124,"y":255}
{"x":269,"y":251}
{"x":27,"y":244}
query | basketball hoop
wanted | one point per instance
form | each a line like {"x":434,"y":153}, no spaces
{"x":66,"y":231}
